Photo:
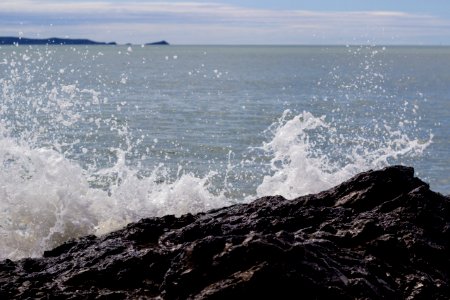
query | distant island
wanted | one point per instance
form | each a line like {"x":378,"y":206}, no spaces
{"x":8,"y":40}
{"x":160,"y":43}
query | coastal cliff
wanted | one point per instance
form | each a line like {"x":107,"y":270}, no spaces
{"x":381,"y":234}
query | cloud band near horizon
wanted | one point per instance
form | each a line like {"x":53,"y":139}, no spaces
{"x":215,"y":23}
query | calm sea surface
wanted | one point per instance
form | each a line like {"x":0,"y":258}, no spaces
{"x":95,"y":137}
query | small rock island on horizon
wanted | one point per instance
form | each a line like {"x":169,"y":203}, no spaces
{"x":160,"y":43}
{"x":8,"y":40}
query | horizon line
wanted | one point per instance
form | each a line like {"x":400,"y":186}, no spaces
{"x":114,"y":43}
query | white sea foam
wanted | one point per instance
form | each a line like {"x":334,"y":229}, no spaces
{"x":54,"y":187}
{"x":310,"y":155}
{"x":46,"y":199}
{"x":49,"y":195}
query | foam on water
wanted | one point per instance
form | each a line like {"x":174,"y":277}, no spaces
{"x":47,"y":199}
{"x":48,"y":194}
{"x":310,"y":155}
{"x":43,"y":200}
{"x":54,"y":186}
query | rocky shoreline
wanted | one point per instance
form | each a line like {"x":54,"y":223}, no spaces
{"x":381,"y":234}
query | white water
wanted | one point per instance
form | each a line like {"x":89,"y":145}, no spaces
{"x":47,"y":199}
{"x":54,"y":186}
{"x":301,"y":167}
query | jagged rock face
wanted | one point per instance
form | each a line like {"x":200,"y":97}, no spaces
{"x":382,"y":234}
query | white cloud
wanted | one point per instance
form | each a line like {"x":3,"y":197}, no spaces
{"x":202,"y":22}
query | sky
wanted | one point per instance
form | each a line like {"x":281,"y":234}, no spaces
{"x":278,"y":22}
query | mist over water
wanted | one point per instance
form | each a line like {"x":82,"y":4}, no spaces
{"x":92,"y":138}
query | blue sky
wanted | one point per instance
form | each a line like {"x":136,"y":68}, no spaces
{"x":232,"y":21}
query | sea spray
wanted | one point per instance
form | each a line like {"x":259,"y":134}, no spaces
{"x":365,"y":127}
{"x":87,"y":146}
{"x":310,"y":155}
{"x":367,"y":124}
{"x":47,"y":199}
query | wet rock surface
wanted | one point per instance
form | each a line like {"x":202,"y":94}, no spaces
{"x":381,"y":234}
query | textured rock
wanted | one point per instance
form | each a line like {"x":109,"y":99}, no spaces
{"x":382,"y":234}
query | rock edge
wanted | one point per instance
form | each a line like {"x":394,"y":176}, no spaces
{"x":381,"y":234}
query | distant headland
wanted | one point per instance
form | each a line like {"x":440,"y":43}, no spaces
{"x":49,"y":41}
{"x":8,"y":40}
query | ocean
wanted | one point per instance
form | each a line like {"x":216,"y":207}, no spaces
{"x":95,"y":137}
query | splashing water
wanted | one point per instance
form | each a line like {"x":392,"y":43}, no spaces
{"x":310,"y":155}
{"x":365,"y":128}
{"x":48,"y":199}
{"x":73,"y":163}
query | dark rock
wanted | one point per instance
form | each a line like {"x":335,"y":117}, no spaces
{"x":381,"y":234}
{"x":160,"y":43}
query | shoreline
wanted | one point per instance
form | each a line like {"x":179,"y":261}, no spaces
{"x":22,"y":41}
{"x":382,"y":233}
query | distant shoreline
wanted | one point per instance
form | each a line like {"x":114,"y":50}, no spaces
{"x":9,"y":40}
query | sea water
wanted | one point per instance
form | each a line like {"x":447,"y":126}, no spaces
{"x":95,"y":137}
